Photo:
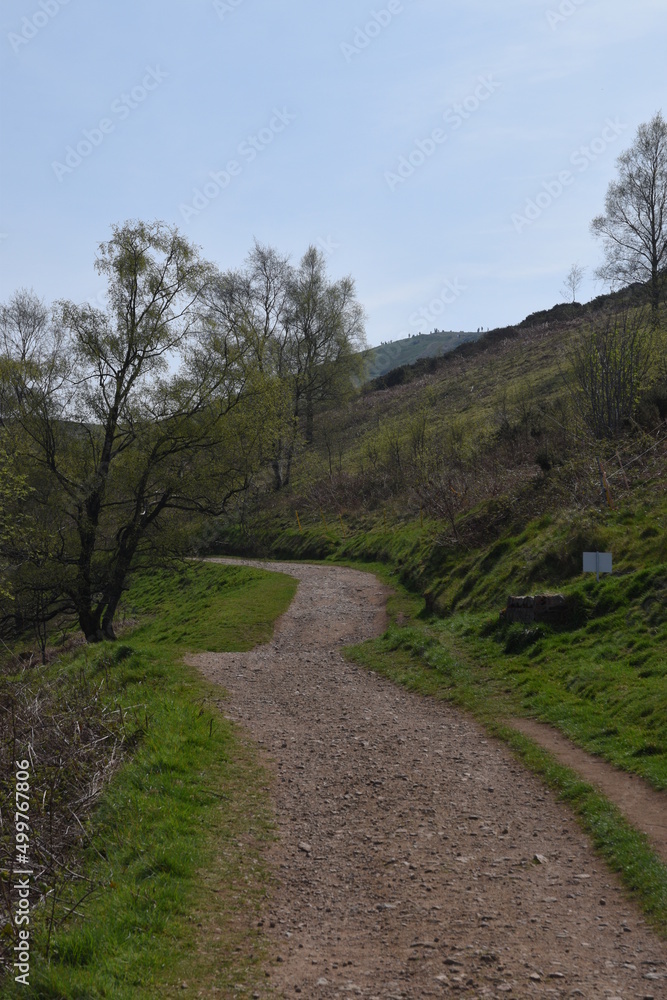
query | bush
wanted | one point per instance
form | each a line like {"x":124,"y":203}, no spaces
{"x":519,"y":637}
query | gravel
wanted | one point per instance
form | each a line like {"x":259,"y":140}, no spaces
{"x":415,"y":856}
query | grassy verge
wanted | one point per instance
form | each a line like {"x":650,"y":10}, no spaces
{"x":464,"y":661}
{"x":173,"y":845}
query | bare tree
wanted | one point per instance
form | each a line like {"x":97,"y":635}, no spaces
{"x":573,"y":279}
{"x":633,"y":229}
{"x":22,"y":322}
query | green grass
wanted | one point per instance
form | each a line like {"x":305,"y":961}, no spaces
{"x":175,"y":840}
{"x":207,"y":607}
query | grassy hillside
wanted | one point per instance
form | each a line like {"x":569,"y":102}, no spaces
{"x":396,"y":353}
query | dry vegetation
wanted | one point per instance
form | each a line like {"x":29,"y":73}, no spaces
{"x":74,"y":733}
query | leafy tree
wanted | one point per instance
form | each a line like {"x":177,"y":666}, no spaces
{"x":633,"y":229}
{"x":14,"y":491}
{"x":327,"y":336}
{"x":129,"y":417}
{"x":252,"y":306}
{"x":303,"y":330}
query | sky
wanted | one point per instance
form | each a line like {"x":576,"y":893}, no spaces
{"x":449,"y":155}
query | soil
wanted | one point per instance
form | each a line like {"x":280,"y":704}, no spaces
{"x":415,"y":856}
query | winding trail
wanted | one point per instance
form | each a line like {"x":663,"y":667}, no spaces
{"x":416,"y":857}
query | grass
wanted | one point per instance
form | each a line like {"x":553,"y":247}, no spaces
{"x":174,"y":842}
{"x":207,"y":607}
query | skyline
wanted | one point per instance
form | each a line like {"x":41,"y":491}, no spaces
{"x":451,"y":161}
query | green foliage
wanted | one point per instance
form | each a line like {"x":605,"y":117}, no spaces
{"x":14,"y":490}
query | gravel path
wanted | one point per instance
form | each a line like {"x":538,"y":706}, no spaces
{"x":416,"y":857}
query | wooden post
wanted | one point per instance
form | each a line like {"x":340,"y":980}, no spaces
{"x":298,"y":521}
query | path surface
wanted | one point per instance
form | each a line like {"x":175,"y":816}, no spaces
{"x":416,"y":857}
{"x":644,"y":806}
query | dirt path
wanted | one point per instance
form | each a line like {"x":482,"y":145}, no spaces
{"x":643,"y":806}
{"x":416,"y":857}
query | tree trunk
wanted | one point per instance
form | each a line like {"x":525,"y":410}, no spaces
{"x":655,"y":291}
{"x":90,"y":624}
{"x":309,"y":418}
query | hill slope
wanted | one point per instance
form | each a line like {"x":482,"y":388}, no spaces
{"x":396,"y":353}
{"x":473,"y":476}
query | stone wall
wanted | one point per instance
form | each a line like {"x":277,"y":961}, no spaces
{"x":539,"y":608}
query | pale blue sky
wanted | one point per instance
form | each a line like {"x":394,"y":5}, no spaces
{"x":404,"y":137}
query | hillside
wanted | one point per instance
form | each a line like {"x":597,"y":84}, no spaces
{"x":473,"y":476}
{"x":388,"y":358}
{"x":396,"y":353}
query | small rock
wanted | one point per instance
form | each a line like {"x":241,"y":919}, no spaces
{"x":305,"y":847}
{"x":540,"y":859}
